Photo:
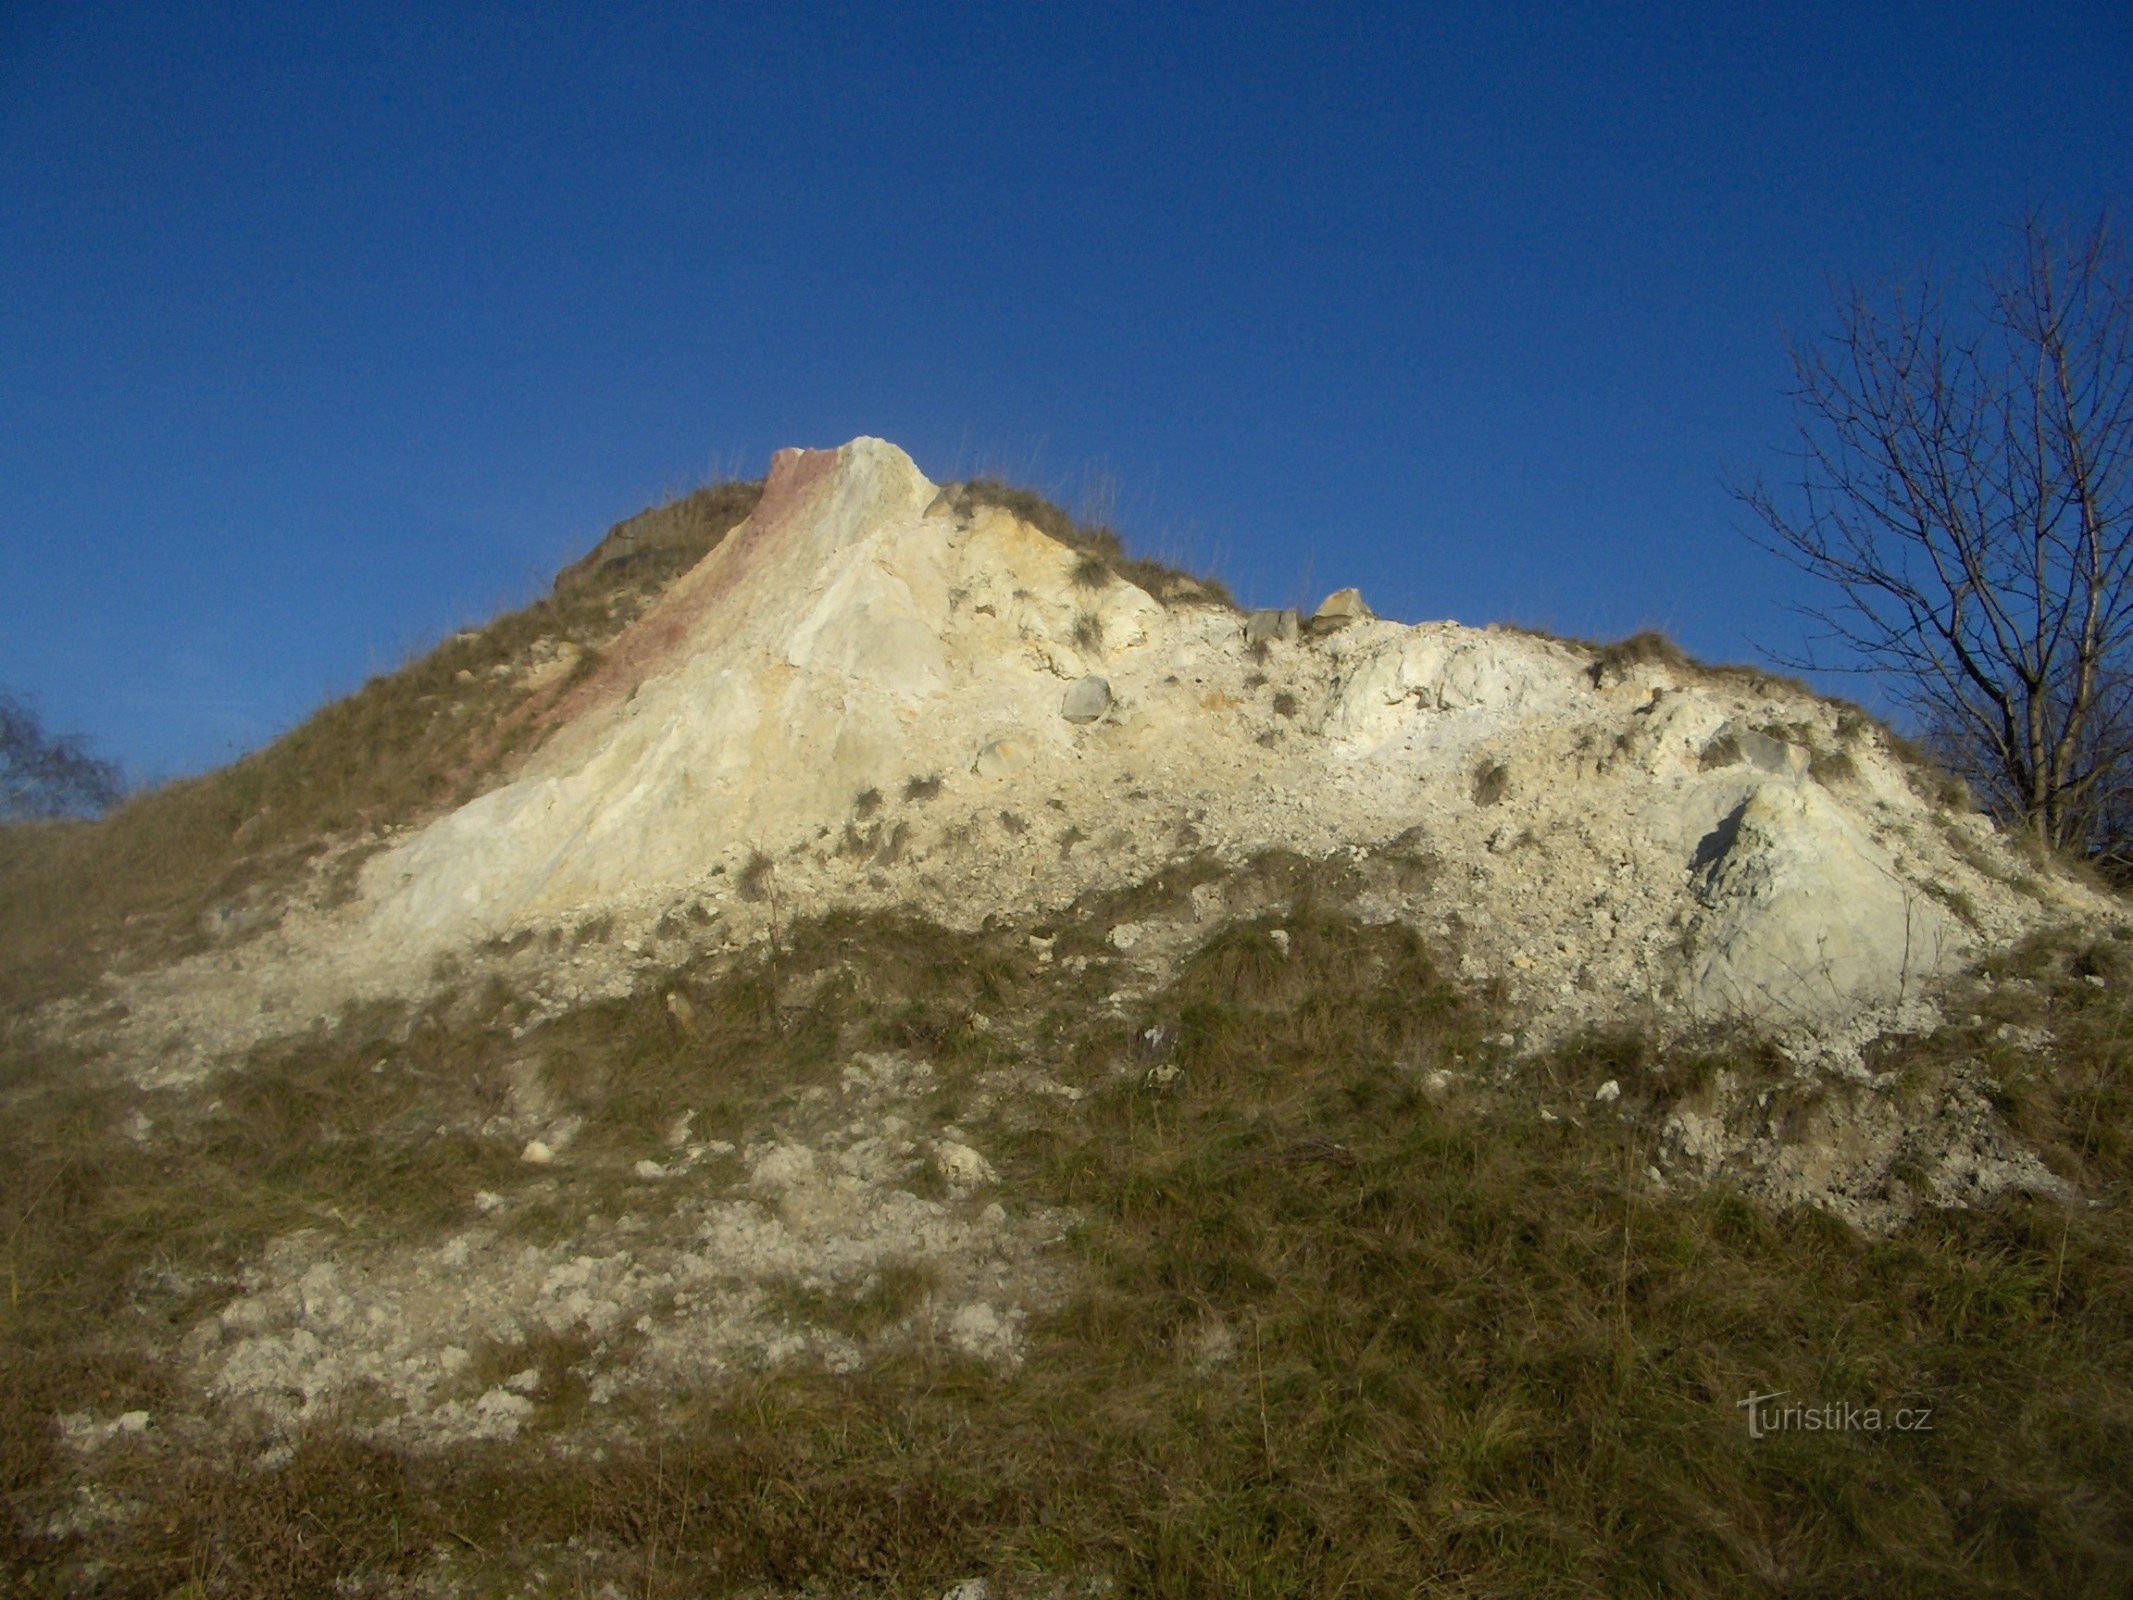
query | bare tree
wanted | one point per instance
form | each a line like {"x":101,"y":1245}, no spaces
{"x":46,"y":776}
{"x":1964,"y":493}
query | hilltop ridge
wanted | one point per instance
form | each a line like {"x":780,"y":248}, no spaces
{"x":864,"y":695}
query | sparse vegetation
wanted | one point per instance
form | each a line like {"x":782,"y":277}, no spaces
{"x":1342,"y":1327}
{"x":1831,"y":768}
{"x":1608,"y":662}
{"x":1102,"y":553}
{"x":1722,"y":751}
{"x":1492,"y":780}
{"x":754,"y":881}
{"x":157,"y":876}
{"x":48,"y":775}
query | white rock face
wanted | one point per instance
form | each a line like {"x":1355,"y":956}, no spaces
{"x":1652,"y":838}
{"x":1807,"y":915}
{"x":858,"y":632}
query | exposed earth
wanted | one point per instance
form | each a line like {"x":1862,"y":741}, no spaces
{"x":733,"y":1020}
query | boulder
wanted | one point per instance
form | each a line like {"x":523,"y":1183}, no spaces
{"x":1338,"y":609}
{"x":1087,"y":699}
{"x":1767,"y":753}
{"x":1805,"y":916}
{"x":1262,"y":627}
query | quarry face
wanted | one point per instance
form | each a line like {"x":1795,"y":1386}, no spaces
{"x":874,"y":693}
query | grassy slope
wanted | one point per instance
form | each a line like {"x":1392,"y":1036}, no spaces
{"x":1472,"y":1353}
{"x":406,"y":746}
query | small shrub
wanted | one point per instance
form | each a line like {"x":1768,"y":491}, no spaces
{"x":1649,"y":647}
{"x":754,"y":881}
{"x":1832,"y":767}
{"x":1722,"y":751}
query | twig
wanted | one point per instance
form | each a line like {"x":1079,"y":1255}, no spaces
{"x":1266,"y":1432}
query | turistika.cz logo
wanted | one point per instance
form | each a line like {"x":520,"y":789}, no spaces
{"x":1766,"y":1416}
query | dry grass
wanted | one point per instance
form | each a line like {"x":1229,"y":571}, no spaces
{"x":1103,"y":554}
{"x":156,"y":876}
{"x":1336,"y":1333}
{"x":1609,"y":662}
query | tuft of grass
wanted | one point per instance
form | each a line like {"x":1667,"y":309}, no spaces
{"x":886,"y":1298}
{"x":1832,"y":768}
{"x":1722,"y":751}
{"x":1091,"y":571}
{"x":754,"y":880}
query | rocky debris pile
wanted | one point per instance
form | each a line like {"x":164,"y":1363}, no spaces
{"x":1725,"y":844}
{"x":1862,"y":1150}
{"x":854,"y":1230}
{"x":872,"y":693}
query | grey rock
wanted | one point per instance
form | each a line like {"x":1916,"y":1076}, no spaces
{"x":1264,"y":626}
{"x":1769,"y":754}
{"x":1736,"y":745}
{"x":1086,"y":700}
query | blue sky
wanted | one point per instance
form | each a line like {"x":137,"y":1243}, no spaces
{"x":326,"y":328}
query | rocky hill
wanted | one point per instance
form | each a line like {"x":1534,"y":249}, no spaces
{"x":890,"y":1041}
{"x":876,"y":693}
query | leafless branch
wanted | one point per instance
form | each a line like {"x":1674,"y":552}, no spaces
{"x":1962,"y":491}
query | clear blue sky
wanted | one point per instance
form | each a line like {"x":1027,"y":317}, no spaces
{"x":324,"y":328}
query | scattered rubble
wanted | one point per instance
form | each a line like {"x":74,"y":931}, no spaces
{"x":1606,"y":833}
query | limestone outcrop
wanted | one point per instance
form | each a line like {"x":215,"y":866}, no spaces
{"x":875,"y":693}
{"x":1664,"y":833}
